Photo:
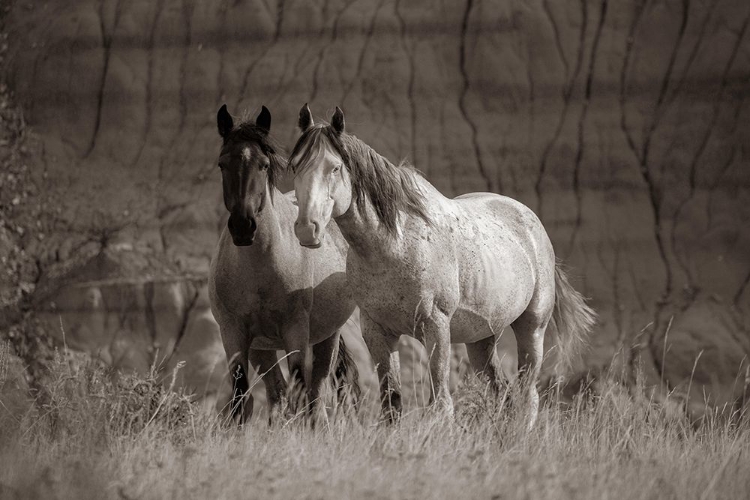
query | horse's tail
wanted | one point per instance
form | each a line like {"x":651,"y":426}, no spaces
{"x":346,"y":376}
{"x":573,"y":320}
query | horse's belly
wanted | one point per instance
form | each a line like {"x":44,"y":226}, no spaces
{"x":487,"y":314}
{"x":496,"y":282}
{"x":264,"y":343}
{"x":468,"y":326}
{"x":264,"y":328}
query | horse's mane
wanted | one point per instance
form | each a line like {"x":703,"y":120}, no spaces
{"x":389,"y":188}
{"x":248,"y":131}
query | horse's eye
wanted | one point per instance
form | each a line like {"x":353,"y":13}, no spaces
{"x":264,"y":165}
{"x":336,"y":168}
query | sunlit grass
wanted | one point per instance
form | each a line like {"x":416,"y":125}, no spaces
{"x":96,"y":434}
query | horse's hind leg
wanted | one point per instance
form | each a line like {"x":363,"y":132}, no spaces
{"x":266,"y":363}
{"x":529,"y":330}
{"x":485,"y":361}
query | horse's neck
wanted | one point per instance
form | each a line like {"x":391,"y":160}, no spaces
{"x":365,"y":234}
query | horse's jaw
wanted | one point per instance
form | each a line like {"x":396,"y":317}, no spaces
{"x":317,"y":244}
{"x":243,"y":241}
{"x":243,"y":244}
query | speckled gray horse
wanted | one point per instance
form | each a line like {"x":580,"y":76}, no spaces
{"x":266,"y":291}
{"x":441,"y":270}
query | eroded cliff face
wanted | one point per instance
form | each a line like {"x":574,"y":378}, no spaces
{"x":624,"y":125}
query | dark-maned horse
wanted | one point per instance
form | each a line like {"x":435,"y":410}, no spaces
{"x":266,"y":291}
{"x":442,"y":270}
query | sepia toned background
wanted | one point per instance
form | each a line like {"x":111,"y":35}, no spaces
{"x":624,"y":125}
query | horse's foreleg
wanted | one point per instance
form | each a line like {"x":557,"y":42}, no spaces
{"x":296,"y":340}
{"x":267,"y":365}
{"x":436,"y":333}
{"x":529,"y":330}
{"x":383,"y":348}
{"x":324,"y":354}
{"x":235,"y":343}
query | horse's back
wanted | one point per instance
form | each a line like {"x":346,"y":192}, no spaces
{"x":508,"y":217}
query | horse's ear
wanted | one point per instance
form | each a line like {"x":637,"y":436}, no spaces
{"x":305,"y":118}
{"x":224,"y":121}
{"x":337,"y":122}
{"x":264,"y":119}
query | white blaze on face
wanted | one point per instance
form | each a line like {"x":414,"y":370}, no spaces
{"x":247,"y":154}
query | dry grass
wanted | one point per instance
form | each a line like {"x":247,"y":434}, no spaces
{"x":97,"y":435}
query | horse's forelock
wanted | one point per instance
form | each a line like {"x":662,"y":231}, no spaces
{"x":308,"y":145}
{"x":248,"y":131}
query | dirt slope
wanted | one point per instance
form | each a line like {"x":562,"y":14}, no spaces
{"x":623,"y":124}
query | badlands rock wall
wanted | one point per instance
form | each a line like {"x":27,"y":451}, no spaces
{"x":623,"y":124}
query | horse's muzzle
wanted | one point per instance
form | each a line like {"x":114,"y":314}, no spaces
{"x":308,"y":233}
{"x":242,"y":230}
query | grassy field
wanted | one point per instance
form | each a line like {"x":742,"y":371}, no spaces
{"x":95,"y":434}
